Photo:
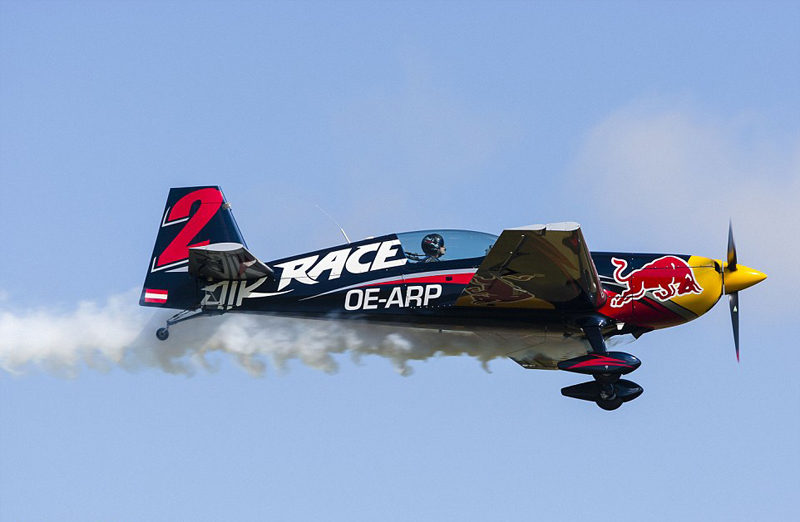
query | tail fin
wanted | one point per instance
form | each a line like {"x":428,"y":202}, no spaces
{"x":193,"y":217}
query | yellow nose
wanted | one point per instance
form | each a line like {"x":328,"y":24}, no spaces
{"x":741,"y":278}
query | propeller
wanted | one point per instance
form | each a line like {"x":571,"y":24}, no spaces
{"x":733,"y":297}
{"x":734,"y":304}
{"x":737,"y":277}
{"x":731,"y":248}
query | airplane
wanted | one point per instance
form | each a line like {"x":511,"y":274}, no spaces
{"x":538,"y":282}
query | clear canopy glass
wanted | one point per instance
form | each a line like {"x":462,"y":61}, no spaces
{"x":424,"y":246}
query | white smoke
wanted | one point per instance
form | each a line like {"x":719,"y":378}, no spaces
{"x":120,"y":333}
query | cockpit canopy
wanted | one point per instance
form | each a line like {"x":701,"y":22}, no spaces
{"x":424,"y":246}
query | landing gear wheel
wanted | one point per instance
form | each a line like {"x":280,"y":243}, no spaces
{"x":610,"y":404}
{"x":162,"y":334}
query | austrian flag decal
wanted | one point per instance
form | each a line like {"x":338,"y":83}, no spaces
{"x":155,"y":296}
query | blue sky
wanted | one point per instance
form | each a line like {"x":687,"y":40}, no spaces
{"x":650,"y":124}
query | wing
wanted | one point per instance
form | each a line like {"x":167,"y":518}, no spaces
{"x":539,"y":266}
{"x":226,"y":262}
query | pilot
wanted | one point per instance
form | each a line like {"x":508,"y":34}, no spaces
{"x":433,"y":247}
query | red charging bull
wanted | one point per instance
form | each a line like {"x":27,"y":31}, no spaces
{"x":665,"y":277}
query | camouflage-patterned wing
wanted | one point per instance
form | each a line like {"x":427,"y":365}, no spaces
{"x":539,"y":266}
{"x":226,"y":262}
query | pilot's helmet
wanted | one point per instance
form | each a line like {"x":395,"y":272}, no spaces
{"x":431,"y":244}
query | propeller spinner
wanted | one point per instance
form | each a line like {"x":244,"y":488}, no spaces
{"x":737,"y":277}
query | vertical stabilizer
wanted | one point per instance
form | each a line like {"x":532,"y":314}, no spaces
{"x":192,"y":217}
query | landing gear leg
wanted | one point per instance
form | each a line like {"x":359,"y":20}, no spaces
{"x":163,"y":333}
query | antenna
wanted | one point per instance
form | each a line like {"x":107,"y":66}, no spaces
{"x":336,"y":223}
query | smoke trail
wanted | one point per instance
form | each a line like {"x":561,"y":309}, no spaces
{"x":120,"y":333}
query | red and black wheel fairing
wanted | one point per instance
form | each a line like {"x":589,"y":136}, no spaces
{"x":614,"y":363}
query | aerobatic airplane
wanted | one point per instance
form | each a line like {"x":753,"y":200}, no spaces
{"x":539,"y":282}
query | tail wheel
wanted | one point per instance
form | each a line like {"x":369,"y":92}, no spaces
{"x":162,"y":334}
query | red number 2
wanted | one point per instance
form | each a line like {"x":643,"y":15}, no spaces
{"x":210,"y":200}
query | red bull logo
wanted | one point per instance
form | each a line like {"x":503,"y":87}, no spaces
{"x":665,"y":277}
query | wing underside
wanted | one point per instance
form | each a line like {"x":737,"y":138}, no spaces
{"x":546,"y":267}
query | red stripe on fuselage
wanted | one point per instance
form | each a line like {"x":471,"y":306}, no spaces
{"x":455,"y":279}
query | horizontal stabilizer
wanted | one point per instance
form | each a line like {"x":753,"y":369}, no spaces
{"x":226,"y":262}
